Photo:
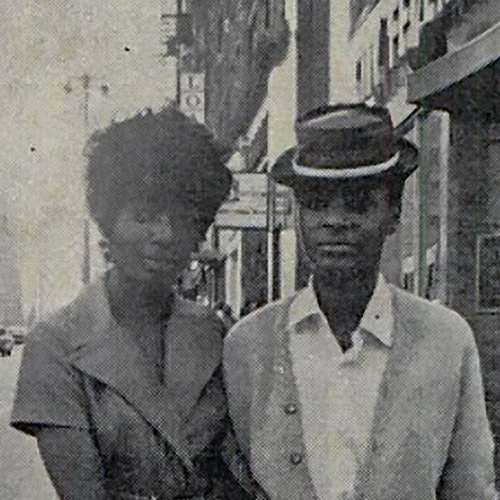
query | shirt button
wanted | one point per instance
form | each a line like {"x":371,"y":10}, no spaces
{"x":291,"y":409}
{"x":296,"y":458}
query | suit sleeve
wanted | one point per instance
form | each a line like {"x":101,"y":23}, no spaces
{"x":468,"y":472}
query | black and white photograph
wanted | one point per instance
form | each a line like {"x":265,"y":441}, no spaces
{"x":250,"y":250}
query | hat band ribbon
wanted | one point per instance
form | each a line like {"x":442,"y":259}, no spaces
{"x":337,"y":173}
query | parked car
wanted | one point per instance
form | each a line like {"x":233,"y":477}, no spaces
{"x":6,"y":342}
{"x":18,"y":332}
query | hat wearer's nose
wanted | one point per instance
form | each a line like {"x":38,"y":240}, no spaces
{"x":335,"y":214}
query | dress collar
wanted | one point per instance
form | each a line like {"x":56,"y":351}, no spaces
{"x":101,"y":348}
{"x":378,"y":318}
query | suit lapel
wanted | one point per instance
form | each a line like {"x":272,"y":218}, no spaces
{"x":277,"y":445}
{"x":109,"y":355}
{"x":377,"y":476}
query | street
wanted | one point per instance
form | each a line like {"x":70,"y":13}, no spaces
{"x":22,"y":476}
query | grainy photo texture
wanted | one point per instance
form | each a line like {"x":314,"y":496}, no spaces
{"x":250,"y":250}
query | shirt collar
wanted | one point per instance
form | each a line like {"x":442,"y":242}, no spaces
{"x":378,"y":318}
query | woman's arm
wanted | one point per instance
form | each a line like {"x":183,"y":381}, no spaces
{"x":72,"y":462}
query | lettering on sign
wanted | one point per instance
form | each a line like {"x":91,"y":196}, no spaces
{"x":192,"y":87}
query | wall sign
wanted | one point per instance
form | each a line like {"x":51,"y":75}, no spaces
{"x":192,"y":95}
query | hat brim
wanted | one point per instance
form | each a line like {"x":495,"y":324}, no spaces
{"x":283,"y":172}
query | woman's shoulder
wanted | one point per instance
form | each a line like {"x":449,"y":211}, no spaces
{"x":200,"y":314}
{"x":65,"y":329}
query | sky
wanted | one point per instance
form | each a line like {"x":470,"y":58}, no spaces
{"x":47,"y":46}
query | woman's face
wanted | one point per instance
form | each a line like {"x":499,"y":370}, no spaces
{"x":152,"y":242}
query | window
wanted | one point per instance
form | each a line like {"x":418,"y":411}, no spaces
{"x":359,"y":71}
{"x":406,"y":3}
{"x":395,"y":51}
{"x":395,"y":14}
{"x":359,"y":76}
{"x":406,"y":29}
{"x":408,"y":282}
{"x":372,"y":68}
{"x":220,"y":33}
{"x":431,"y":278}
{"x":383,"y":49}
{"x":421,"y":14}
{"x":251,"y":43}
{"x":267,"y":13}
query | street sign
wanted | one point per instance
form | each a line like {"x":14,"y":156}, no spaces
{"x":192,"y":95}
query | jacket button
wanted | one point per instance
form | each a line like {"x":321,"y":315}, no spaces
{"x":291,"y":409}
{"x":296,"y":458}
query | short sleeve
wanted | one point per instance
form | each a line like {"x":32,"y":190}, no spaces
{"x":49,"y":390}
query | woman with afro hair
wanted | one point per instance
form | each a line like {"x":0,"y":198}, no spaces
{"x":122,"y":388}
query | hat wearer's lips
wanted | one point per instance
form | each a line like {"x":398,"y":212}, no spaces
{"x":335,"y":244}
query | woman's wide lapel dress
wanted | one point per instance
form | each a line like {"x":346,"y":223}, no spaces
{"x":82,"y":369}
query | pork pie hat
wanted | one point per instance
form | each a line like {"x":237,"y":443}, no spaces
{"x":345,"y":142}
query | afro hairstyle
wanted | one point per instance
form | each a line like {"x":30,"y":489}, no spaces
{"x":165,"y":156}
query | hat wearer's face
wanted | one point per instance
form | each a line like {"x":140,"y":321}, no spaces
{"x":344,"y":226}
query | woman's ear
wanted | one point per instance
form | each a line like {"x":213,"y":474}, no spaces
{"x":394,"y":216}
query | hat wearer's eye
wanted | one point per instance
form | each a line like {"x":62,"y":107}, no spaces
{"x":358,"y":200}
{"x":313,"y":201}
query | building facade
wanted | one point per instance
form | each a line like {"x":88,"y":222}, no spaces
{"x":435,"y":64}
{"x":232,"y":46}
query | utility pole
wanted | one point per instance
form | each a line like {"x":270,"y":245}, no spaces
{"x":83,"y":83}
{"x":179,"y":58}
{"x":86,"y":226}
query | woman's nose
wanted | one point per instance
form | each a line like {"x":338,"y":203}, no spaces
{"x":161,"y":231}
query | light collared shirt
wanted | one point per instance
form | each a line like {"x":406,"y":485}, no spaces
{"x":337,"y":390}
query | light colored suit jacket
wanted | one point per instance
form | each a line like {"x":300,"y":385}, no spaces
{"x":430,"y":437}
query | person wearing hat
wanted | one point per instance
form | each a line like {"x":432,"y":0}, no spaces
{"x":352,"y":388}
{"x":123,"y":387}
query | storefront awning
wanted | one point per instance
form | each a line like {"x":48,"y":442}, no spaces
{"x":455,"y":66}
{"x":209,"y":256}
